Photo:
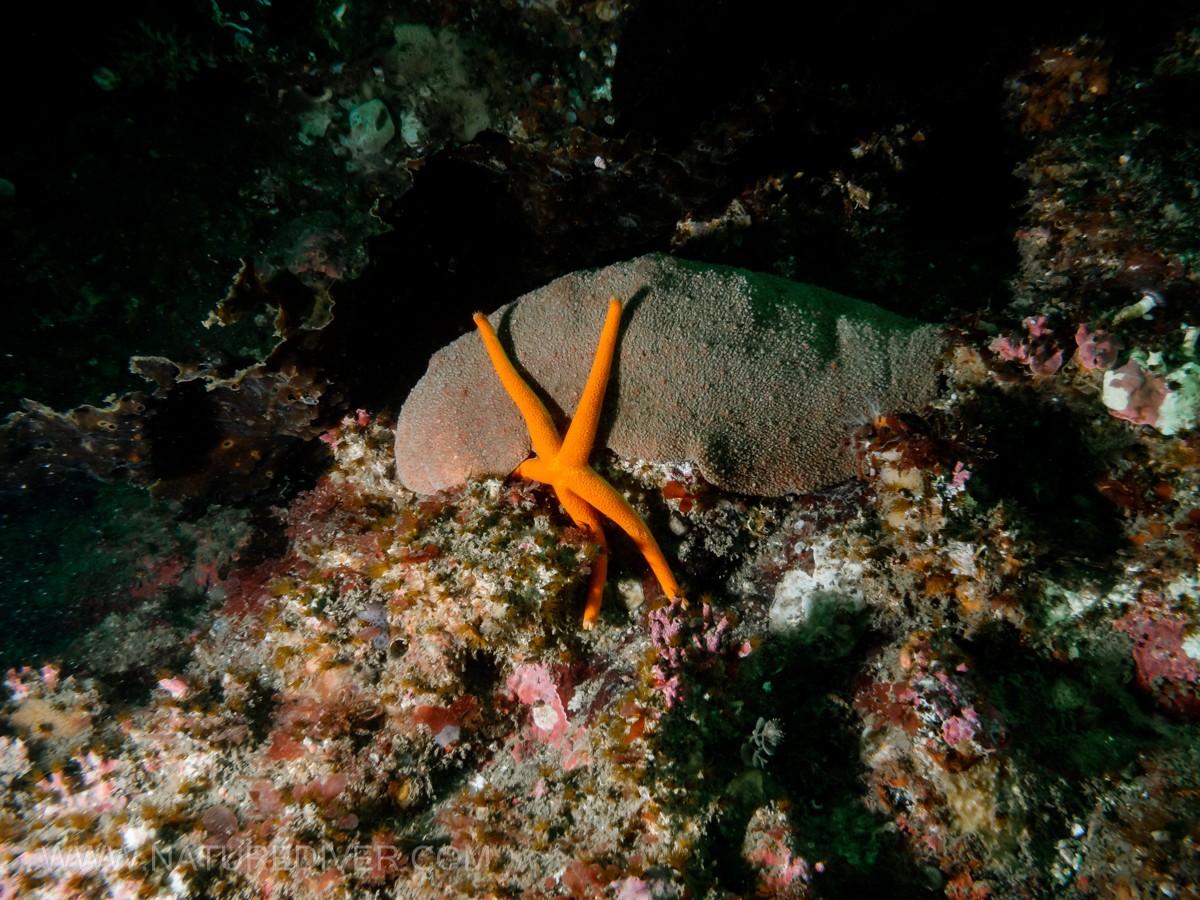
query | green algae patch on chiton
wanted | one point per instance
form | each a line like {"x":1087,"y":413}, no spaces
{"x":753,"y":378}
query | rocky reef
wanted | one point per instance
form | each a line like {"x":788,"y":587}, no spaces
{"x":934,"y":640}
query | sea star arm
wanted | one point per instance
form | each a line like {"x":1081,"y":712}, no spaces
{"x":542,"y":433}
{"x":582,"y":484}
{"x":586,"y":517}
{"x":581,"y":434}
{"x":604,"y":497}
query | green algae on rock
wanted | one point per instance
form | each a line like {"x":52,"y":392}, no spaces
{"x":754,"y":378}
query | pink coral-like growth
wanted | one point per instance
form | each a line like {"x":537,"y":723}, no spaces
{"x":176,"y":687}
{"x":1144,"y":394}
{"x":767,"y":848}
{"x":1038,"y":351}
{"x":534,"y":687}
{"x":957,"y":729}
{"x":1097,"y":349}
{"x":1164,"y":668}
{"x":446,"y":722}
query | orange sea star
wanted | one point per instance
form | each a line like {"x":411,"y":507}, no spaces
{"x":563,"y":462}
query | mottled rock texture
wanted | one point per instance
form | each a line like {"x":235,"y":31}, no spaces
{"x":755,"y":378}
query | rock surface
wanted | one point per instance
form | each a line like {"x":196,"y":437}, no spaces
{"x":754,"y":378}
